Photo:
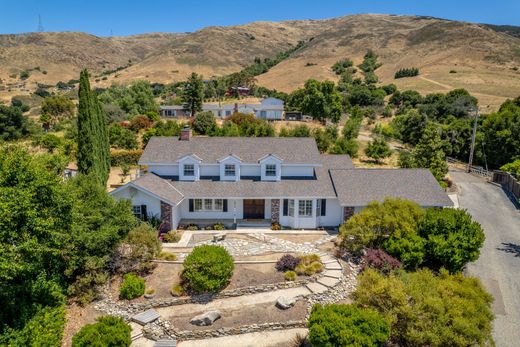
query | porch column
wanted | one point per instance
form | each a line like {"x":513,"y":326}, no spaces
{"x":348,"y":212}
{"x":166,"y":217}
{"x":275,"y":210}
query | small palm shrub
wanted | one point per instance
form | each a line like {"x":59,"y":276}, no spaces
{"x":108,"y":331}
{"x":290,"y":275}
{"x":132,"y":287}
{"x":287,"y":262}
{"x":207,"y":269}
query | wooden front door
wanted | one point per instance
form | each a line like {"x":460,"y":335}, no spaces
{"x":254,"y":209}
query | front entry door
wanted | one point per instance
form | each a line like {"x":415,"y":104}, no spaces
{"x":254,"y":209}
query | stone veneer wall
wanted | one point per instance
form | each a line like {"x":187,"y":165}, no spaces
{"x":166,"y":217}
{"x":347,"y":213}
{"x":275,"y":210}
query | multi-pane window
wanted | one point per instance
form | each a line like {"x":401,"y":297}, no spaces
{"x":229,"y":170}
{"x":218,"y":205}
{"x":189,"y":170}
{"x":136,"y":209}
{"x":305,"y":208}
{"x":200,"y":205}
{"x":290,"y":208}
{"x":270,"y":170}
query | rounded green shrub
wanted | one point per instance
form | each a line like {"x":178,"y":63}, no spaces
{"x":290,"y":275}
{"x":300,"y":269}
{"x":108,"y":331}
{"x":347,"y":325}
{"x":132,"y":287}
{"x":207,"y":269}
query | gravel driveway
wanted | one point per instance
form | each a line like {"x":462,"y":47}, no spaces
{"x":499,"y":264}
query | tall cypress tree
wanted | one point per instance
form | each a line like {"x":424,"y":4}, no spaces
{"x":93,"y":146}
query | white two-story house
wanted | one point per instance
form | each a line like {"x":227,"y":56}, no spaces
{"x":275,"y":180}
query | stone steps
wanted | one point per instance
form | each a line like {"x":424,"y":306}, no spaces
{"x":333,"y":273}
{"x":165,"y":343}
{"x":316,"y":288}
{"x":333,"y":266}
{"x":146,"y":317}
{"x":328,"y":281}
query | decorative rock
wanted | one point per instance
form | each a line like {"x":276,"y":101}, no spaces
{"x":285,"y":302}
{"x":206,"y":318}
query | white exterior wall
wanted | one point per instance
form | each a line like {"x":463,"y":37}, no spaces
{"x":164,"y":170}
{"x":297,"y":222}
{"x":137,"y":197}
{"x":209,"y":170}
{"x":176,"y":216}
{"x":299,"y":171}
{"x":333,"y":214}
{"x":267,"y":209}
{"x":250,"y":170}
{"x":235,"y":209}
{"x":268,"y":161}
{"x":229,"y":161}
{"x":196,"y":165}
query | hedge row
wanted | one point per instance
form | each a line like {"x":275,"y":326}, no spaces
{"x":129,"y":157}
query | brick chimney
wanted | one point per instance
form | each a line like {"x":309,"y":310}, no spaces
{"x":185,"y":133}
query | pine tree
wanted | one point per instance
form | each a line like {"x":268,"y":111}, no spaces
{"x":93,"y":146}
{"x":193,"y":94}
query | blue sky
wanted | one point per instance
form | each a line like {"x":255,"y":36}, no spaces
{"x":125,"y":17}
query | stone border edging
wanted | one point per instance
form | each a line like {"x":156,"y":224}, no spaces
{"x":163,"y":327}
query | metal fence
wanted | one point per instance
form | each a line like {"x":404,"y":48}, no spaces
{"x":508,"y":182}
{"x":477,"y":170}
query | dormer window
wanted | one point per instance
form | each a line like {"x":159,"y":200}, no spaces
{"x":229,"y":170}
{"x":270,"y":170}
{"x":189,"y":170}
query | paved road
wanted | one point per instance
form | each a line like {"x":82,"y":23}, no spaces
{"x":499,"y":264}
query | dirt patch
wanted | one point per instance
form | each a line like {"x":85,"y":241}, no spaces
{"x":163,"y":278}
{"x":254,"y":314}
{"x":254,"y":274}
{"x":76,"y":318}
{"x":273,"y":256}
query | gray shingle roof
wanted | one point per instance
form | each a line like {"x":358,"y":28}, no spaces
{"x":337,"y":161}
{"x":160,"y":187}
{"x":358,"y":187}
{"x":250,"y":149}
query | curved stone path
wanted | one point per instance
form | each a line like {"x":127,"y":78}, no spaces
{"x":332,"y":285}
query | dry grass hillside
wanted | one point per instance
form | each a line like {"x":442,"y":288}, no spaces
{"x":483,"y":60}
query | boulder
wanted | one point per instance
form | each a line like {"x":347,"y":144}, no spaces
{"x":207,"y":318}
{"x":285,"y":302}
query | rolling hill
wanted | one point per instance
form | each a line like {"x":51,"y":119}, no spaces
{"x":484,"y":59}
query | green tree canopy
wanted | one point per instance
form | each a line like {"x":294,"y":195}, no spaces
{"x":108,"y":331}
{"x":57,"y":107}
{"x":193,"y":94}
{"x":13,"y":124}
{"x":204,"y":123}
{"x":378,"y":149}
{"x":452,"y":238}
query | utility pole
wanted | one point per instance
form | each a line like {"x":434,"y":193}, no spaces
{"x":40,"y":24}
{"x":472,"y":150}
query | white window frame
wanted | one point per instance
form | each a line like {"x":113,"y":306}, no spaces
{"x":269,"y":170}
{"x":290,"y":208}
{"x":208,"y":205}
{"x":137,"y":211}
{"x":230,"y":170}
{"x":184,"y":167}
{"x":305,"y":208}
